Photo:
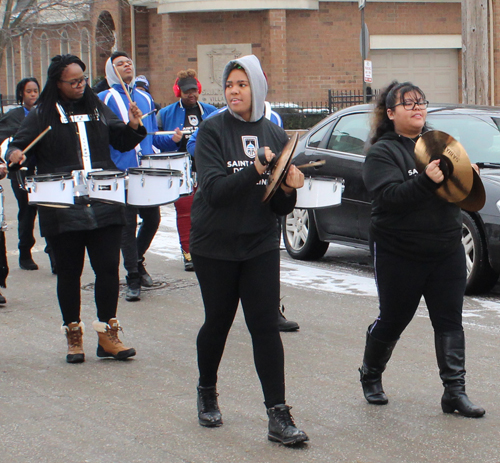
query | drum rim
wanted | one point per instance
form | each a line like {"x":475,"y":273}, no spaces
{"x":56,"y":176}
{"x":165,"y":156}
{"x":106,"y":174}
{"x":155,"y":172}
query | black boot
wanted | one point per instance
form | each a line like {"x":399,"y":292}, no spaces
{"x":377,"y":354}
{"x":208,"y":408}
{"x":284,"y":324}
{"x":133,"y":287}
{"x":26,"y":262}
{"x":450,"y":353}
{"x":282,"y":427}
{"x":146,"y":279}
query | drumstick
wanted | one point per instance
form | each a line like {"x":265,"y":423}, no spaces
{"x":33,"y":143}
{"x":312,"y":164}
{"x":125,"y":89}
{"x":147,"y":114}
{"x":169,"y":132}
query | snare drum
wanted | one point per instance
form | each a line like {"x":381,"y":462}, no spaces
{"x":54,"y":190}
{"x":175,"y":161}
{"x":107,"y":186}
{"x":152,"y":187}
{"x":319,"y":192}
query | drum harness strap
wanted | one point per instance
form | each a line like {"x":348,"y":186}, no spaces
{"x":79,"y":120}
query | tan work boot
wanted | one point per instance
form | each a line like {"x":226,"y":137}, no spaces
{"x":109,"y":343}
{"x":74,"y":334}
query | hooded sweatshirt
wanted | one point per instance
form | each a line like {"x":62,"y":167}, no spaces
{"x":229,"y":219}
{"x":146,"y":104}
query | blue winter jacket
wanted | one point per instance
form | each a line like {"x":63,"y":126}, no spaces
{"x":174,"y":115}
{"x":146,"y":104}
{"x":273,"y":117}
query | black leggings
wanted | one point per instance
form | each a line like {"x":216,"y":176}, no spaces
{"x":401,"y":284}
{"x":256,"y":283}
{"x":103,"y":247}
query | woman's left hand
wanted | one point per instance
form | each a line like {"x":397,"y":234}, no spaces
{"x":294,"y":179}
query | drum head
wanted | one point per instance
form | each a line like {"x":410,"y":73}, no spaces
{"x":280,"y":169}
{"x":173,"y":155}
{"x":50,"y":177}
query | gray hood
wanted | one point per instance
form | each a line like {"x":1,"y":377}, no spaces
{"x":111,"y":76}
{"x":258,"y":84}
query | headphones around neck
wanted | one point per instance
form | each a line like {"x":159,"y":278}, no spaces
{"x":177,"y":90}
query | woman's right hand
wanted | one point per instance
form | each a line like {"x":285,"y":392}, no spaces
{"x":434,"y":172}
{"x":16,"y":157}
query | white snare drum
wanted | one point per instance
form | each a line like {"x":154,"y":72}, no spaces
{"x":107,"y":186}
{"x":3,"y":223}
{"x":152,"y":187}
{"x":55,"y":190}
{"x":319,"y":192}
{"x":175,"y":161}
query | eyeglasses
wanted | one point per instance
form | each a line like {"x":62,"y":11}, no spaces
{"x":76,"y":82}
{"x":123,"y":63}
{"x":410,"y":105}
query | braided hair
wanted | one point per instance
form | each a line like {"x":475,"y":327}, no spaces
{"x":50,"y":93}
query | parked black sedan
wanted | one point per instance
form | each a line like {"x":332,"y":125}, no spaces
{"x":340,"y":140}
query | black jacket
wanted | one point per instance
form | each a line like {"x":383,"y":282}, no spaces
{"x":229,"y":219}
{"x":59,"y":150}
{"x":408,"y":217}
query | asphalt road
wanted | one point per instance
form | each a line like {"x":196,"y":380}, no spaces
{"x":144,"y":409}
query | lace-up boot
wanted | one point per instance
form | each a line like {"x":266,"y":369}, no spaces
{"x":188,"y":262}
{"x":74,"y":335}
{"x":109,"y":343}
{"x":284,"y":324}
{"x":208,"y":408}
{"x":146,"y":279}
{"x":450,"y":353}
{"x":282,"y":427}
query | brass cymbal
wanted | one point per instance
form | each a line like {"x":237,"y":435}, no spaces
{"x":280,"y":169}
{"x":477,"y":196}
{"x":455,"y":164}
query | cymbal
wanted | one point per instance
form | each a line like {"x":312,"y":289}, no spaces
{"x":455,"y":164}
{"x":280,"y":169}
{"x":477,"y":196}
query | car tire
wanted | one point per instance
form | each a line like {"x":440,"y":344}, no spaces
{"x":480,"y":276}
{"x":301,"y":236}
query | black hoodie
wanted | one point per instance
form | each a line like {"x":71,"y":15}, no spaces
{"x":408,"y":217}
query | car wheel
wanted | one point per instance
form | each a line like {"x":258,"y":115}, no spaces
{"x":480,"y":276}
{"x":301,"y":236}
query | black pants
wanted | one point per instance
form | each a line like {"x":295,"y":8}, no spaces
{"x":401,"y":284}
{"x":134,"y":247}
{"x":256,"y":283}
{"x":103,"y":247}
{"x":25,"y":217}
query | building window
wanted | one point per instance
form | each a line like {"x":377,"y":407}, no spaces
{"x":65,"y":49}
{"x":11,"y":78}
{"x":26,"y":58}
{"x":44,"y":57}
{"x":85,"y":52}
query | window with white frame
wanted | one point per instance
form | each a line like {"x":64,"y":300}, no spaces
{"x":10,"y":70}
{"x":44,"y":57}
{"x":85,"y":52}
{"x":26,"y":57}
{"x":65,"y":48}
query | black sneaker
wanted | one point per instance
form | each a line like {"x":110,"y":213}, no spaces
{"x":146,"y":279}
{"x":284,"y":324}
{"x":282,"y":428}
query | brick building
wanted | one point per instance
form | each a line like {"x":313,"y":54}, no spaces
{"x":306,"y":46}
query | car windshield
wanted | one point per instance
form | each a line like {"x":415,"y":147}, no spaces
{"x":480,"y":137}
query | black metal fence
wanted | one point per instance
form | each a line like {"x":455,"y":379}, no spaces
{"x":6,"y":100}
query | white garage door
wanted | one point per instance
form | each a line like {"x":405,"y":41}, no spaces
{"x":435,"y":71}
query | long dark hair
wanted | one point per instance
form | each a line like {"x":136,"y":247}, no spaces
{"x":50,"y":93}
{"x":388,"y":98}
{"x":21,"y":85}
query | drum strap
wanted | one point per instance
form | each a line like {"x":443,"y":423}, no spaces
{"x":79,"y":120}
{"x":123,"y":112}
